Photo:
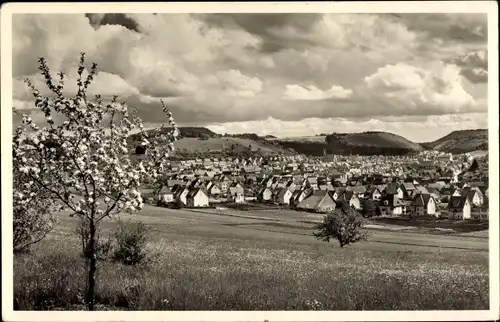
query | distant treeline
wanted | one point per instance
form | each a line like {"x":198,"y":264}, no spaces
{"x":319,"y":148}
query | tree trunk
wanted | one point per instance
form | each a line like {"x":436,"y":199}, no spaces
{"x":92,"y":266}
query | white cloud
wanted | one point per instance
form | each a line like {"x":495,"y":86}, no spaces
{"x":312,"y":93}
{"x":23,"y":105}
{"x":237,"y":84}
{"x":105,"y":84}
{"x":423,"y":129}
{"x":439,"y":90}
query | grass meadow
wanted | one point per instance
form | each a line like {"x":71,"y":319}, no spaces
{"x":203,"y":261}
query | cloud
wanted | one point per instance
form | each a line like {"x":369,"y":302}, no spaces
{"x":448,"y":27}
{"x":312,"y":93}
{"x":436,"y":91}
{"x":422,"y":129}
{"x":213,"y":68}
{"x":474,"y":66}
{"x":97,"y":20}
{"x":238,"y":84}
{"x":105,"y":84}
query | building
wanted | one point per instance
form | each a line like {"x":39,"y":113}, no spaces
{"x":475,"y":196}
{"x":373,"y":193}
{"x":197,"y":198}
{"x":181,"y":195}
{"x":165,"y":195}
{"x":283,"y":196}
{"x":265,"y":194}
{"x":239,"y":198}
{"x":213,"y":189}
{"x":319,"y":201}
{"x":350,"y":198}
{"x":392,"y":205}
{"x":299,"y":195}
{"x":394,"y":189}
{"x":459,"y":207}
{"x":422,"y":205}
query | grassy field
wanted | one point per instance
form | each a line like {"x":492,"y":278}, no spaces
{"x":260,"y":260}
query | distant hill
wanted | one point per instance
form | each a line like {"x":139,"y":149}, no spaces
{"x":196,"y":132}
{"x":461,"y":142}
{"x":201,"y":142}
{"x":366,"y":143}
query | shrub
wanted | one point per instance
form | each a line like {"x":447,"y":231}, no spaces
{"x":103,"y":247}
{"x":130,"y":243}
{"x":368,"y":208}
{"x":344,"y":224}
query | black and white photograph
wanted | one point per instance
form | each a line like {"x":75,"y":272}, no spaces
{"x":253,"y":157}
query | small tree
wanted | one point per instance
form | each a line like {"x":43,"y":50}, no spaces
{"x":344,"y":225}
{"x":89,"y":170}
{"x":130,"y":240}
{"x":33,"y":210}
{"x":368,"y":208}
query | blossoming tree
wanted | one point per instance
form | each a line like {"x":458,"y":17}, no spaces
{"x":83,"y":162}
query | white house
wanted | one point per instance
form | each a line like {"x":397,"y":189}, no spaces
{"x":423,"y":204}
{"x":265,"y":194}
{"x":165,"y":195}
{"x":182,"y":194}
{"x":239,"y":198}
{"x":197,"y":198}
{"x":214,"y":189}
{"x":459,"y":207}
{"x":392,"y":205}
{"x":283,"y":196}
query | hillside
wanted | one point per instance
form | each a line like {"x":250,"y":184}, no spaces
{"x":461,"y":141}
{"x":366,"y":143}
{"x":201,"y":142}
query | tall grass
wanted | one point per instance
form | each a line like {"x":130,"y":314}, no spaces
{"x":196,"y":275}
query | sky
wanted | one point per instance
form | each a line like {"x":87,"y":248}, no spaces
{"x":417,"y":75}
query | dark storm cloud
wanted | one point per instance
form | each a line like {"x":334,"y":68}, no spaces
{"x":276,"y":30}
{"x":97,"y":20}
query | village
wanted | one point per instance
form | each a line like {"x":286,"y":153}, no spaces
{"x":430,"y":184}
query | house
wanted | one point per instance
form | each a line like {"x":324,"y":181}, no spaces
{"x":358,"y":190}
{"x":197,"y":198}
{"x":283,"y":196}
{"x":165,"y":195}
{"x":236,"y":188}
{"x":312,"y":182}
{"x":408,"y":189}
{"x":474,"y":195}
{"x":459,"y":207}
{"x":239,"y":198}
{"x":319,"y":201}
{"x":422,"y":205}
{"x":393,"y":188}
{"x":350,"y":198}
{"x":299,"y":195}
{"x":326,"y":186}
{"x":373,"y":193}
{"x":421,"y":189}
{"x":214,"y":189}
{"x":446,"y":193}
{"x":181,"y":195}
{"x":222,"y":180}
{"x":173,"y":182}
{"x":434,"y":193}
{"x":291,"y":186}
{"x":392,"y":205}
{"x":265,"y":194}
